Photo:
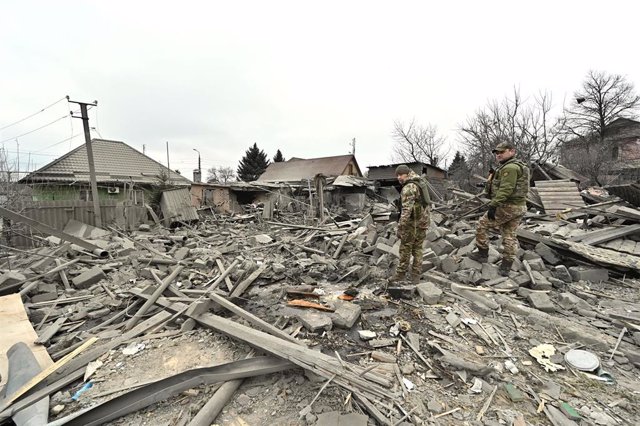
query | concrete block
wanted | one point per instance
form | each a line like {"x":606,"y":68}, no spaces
{"x":460,"y":240}
{"x":11,"y":277}
{"x":530,"y":255}
{"x":88,"y":277}
{"x":44,"y":297}
{"x":448,"y":264}
{"x":315,"y":321}
{"x":441,"y":247}
{"x":537,"y":264}
{"x":541,"y":282}
{"x":562,"y":273}
{"x":463,"y":251}
{"x":547,"y":254}
{"x":541,"y":301}
{"x":470,"y":264}
{"x":346,"y":315}
{"x":594,"y":275}
{"x":427,"y":265}
{"x":388,"y":249}
{"x":570,"y":301}
{"x":489,"y":272}
{"x":429,"y":292}
{"x":522,"y":279}
{"x":46,"y":288}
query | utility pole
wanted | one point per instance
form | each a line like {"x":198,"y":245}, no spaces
{"x":92,"y":168}
{"x":168,"y":166}
{"x":353,"y":146}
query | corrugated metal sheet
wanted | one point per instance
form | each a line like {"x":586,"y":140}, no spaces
{"x":58,"y":213}
{"x":558,"y":195}
{"x":176,"y":206}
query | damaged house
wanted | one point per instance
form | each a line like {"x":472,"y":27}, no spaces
{"x":338,"y":178}
{"x":122,"y":172}
{"x":385,"y":179}
{"x":613,"y":160}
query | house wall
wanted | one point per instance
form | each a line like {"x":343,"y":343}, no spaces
{"x":389,"y":172}
{"x":68,"y":192}
{"x":352,"y":169}
{"x":629,"y":150}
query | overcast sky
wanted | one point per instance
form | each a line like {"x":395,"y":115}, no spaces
{"x":297,"y":76}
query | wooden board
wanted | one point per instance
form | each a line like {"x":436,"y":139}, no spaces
{"x":16,"y":327}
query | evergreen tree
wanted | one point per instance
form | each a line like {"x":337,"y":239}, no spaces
{"x":459,"y":163}
{"x":253,"y":164}
{"x":278,"y":158}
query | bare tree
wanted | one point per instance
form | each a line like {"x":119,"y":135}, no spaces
{"x":529,"y":125}
{"x":416,"y":143}
{"x":602,"y":99}
{"x":221,"y":174}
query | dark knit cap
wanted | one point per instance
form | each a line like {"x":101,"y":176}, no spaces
{"x":402,"y":169}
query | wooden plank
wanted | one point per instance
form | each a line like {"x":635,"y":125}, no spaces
{"x":252,"y":319}
{"x":241,"y":287}
{"x":326,"y":366}
{"x":16,"y":327}
{"x":46,"y":373}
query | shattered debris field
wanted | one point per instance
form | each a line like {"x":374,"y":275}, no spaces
{"x":235,"y":320}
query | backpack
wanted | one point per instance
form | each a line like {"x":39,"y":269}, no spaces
{"x":423,"y":186}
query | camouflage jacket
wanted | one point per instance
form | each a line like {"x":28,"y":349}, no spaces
{"x":412,"y":212}
{"x":510,"y":184}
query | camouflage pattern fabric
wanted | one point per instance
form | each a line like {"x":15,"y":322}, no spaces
{"x":508,"y":217}
{"x":510,"y":184}
{"x":413,"y":224}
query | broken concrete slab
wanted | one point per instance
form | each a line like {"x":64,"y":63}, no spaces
{"x":541,"y":301}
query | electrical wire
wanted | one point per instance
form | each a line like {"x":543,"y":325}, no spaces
{"x":34,"y":114}
{"x":35,"y":130}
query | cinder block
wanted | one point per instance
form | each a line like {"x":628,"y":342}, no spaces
{"x":429,"y":292}
{"x":346,"y":315}
{"x":594,"y":275}
{"x":88,"y":277}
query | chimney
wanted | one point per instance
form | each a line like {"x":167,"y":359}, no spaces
{"x":197,"y":175}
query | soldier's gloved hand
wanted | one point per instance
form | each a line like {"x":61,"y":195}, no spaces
{"x":491,"y":213}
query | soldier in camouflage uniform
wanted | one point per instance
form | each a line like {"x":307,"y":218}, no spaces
{"x":414,"y":222}
{"x":507,"y":187}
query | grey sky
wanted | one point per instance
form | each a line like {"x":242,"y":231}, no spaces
{"x":299,"y":76}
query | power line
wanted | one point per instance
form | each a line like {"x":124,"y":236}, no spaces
{"x":35,"y":130}
{"x":33,"y":115}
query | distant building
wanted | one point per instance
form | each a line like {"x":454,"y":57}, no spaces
{"x":620,"y":153}
{"x":298,"y":169}
{"x":122,"y":173}
{"x":387,"y":174}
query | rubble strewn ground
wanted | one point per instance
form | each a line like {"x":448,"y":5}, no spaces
{"x":461,"y":347}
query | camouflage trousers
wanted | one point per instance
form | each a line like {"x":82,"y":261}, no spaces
{"x":508,"y":218}
{"x":412,"y":238}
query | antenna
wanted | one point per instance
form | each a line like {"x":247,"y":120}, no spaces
{"x":353,"y":146}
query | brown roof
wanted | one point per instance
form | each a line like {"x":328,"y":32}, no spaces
{"x":299,"y":169}
{"x":114,"y":161}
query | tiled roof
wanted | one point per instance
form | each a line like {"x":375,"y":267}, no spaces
{"x":114,"y":161}
{"x":298,"y":169}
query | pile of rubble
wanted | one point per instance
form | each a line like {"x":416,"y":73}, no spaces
{"x":246,"y":321}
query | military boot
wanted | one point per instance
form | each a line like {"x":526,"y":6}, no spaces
{"x":505,"y":267}
{"x":482,"y":255}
